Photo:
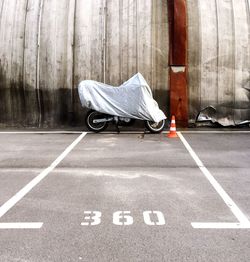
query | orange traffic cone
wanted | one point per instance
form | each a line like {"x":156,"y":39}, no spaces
{"x":172,"y":133}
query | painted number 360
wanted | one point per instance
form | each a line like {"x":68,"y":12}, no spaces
{"x":123,"y":218}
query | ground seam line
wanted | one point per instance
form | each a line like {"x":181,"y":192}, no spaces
{"x":122,"y":132}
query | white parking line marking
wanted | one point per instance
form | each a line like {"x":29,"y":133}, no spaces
{"x":215,"y":132}
{"x":244,"y":222}
{"x":21,"y":225}
{"x":220,"y":225}
{"x":26,"y":189}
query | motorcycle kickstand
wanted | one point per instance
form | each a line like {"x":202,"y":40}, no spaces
{"x":116,"y":120}
{"x":117,"y":129}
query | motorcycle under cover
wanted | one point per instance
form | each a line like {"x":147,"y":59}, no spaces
{"x":132,"y":99}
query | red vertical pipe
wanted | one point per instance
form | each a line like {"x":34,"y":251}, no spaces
{"x":177,"y":11}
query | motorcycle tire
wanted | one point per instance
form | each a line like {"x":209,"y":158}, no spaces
{"x":155,"y":127}
{"x":95,"y":127}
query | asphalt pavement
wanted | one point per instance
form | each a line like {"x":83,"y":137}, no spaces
{"x":124,"y":197}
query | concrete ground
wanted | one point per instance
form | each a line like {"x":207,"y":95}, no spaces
{"x":126,"y":197}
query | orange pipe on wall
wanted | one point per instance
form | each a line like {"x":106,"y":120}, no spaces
{"x":177,"y":10}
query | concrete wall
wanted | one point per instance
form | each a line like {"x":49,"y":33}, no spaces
{"x":219,"y":58}
{"x":48,"y":46}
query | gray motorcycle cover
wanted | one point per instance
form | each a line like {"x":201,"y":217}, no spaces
{"x":132,"y":99}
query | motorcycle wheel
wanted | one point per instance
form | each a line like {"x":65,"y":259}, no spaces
{"x":155,"y":127}
{"x":95,"y":127}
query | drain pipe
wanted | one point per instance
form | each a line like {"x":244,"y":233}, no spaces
{"x":177,"y":10}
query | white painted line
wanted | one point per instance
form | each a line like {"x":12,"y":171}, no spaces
{"x":220,"y":225}
{"x":19,"y":195}
{"x":215,"y":132}
{"x":21,"y":225}
{"x":226,"y":198}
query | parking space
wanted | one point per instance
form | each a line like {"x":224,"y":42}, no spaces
{"x":227,"y":156}
{"x":126,"y":197}
{"x":24,"y":156}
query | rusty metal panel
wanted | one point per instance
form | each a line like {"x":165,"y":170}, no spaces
{"x":178,"y":60}
{"x":178,"y":94}
{"x":178,"y":32}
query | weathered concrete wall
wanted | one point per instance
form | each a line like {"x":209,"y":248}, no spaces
{"x":48,"y":46}
{"x":219,"y":58}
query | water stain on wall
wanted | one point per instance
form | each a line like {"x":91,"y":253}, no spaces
{"x":50,"y":46}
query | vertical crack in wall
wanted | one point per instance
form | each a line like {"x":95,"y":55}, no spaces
{"x":104,"y":45}
{"x":1,"y":11}
{"x":12,"y":87}
{"x":248,"y":24}
{"x":120,"y":39}
{"x":38,"y":63}
{"x":24,"y":48}
{"x":200,"y":54}
{"x":128,"y":9}
{"x":217,"y":51}
{"x":234,"y":60}
{"x":72,"y":102}
{"x":153,"y":44}
{"x":136,"y":34}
